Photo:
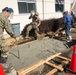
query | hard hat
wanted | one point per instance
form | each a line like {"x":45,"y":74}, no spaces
{"x":8,"y":9}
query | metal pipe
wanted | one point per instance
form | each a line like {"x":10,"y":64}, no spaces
{"x":17,"y":49}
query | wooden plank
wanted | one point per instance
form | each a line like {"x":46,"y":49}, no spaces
{"x":64,"y":58}
{"x":51,"y":57}
{"x":65,"y":62}
{"x":25,"y":71}
{"x":55,"y":66}
{"x":54,"y":70}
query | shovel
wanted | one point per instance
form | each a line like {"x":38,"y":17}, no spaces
{"x":17,"y":48}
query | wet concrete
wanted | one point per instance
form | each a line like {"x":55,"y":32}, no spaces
{"x":33,"y":52}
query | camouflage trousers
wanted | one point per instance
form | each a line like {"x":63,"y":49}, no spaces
{"x":3,"y":47}
{"x":30,"y":27}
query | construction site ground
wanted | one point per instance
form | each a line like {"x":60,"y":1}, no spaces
{"x":27,"y":54}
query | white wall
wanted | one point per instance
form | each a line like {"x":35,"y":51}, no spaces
{"x":49,"y":8}
{"x":46,"y":12}
{"x":17,"y":18}
{"x":67,"y":5}
{"x":9,"y":3}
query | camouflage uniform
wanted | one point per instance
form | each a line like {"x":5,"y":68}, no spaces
{"x":34,"y":24}
{"x":4,"y":24}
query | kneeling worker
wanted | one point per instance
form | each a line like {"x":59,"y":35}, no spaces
{"x":34,"y":24}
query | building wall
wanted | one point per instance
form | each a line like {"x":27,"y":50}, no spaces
{"x":46,"y":9}
{"x":67,"y":5}
{"x":17,"y":18}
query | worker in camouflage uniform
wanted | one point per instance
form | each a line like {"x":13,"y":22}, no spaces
{"x":5,"y":24}
{"x":34,"y":24}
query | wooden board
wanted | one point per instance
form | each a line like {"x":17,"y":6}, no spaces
{"x":54,"y":70}
{"x":25,"y":71}
{"x":55,"y":67}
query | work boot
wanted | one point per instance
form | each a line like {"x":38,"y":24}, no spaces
{"x":70,"y":38}
{"x":3,"y":59}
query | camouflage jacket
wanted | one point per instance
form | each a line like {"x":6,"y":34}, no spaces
{"x":5,"y":24}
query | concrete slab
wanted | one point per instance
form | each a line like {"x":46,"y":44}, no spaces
{"x":33,"y":52}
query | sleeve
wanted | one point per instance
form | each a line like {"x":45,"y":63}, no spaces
{"x":30,"y":16}
{"x":72,"y":21}
{"x":8,"y":28}
{"x":65,"y":20}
